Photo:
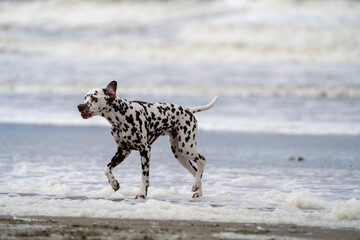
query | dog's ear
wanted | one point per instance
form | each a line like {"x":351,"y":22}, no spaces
{"x":111,"y":90}
{"x":112,"y":86}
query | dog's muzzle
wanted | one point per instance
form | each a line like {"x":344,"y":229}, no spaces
{"x":84,"y":110}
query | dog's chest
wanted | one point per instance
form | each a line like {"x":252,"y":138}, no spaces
{"x":127,"y":139}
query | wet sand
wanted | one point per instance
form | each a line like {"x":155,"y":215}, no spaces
{"x":31,"y":227}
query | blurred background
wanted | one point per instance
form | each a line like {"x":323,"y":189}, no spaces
{"x":282,"y":142}
{"x":278,"y":66}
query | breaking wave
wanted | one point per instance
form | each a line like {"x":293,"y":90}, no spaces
{"x":206,"y":31}
{"x":163,"y":89}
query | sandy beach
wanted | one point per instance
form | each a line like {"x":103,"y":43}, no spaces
{"x":31,"y":227}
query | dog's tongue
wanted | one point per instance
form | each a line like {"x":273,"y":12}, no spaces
{"x":84,"y":114}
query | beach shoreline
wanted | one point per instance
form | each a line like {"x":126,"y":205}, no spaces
{"x":51,"y":227}
{"x":249,"y":178}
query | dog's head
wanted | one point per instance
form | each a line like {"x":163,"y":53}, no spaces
{"x":95,"y":100}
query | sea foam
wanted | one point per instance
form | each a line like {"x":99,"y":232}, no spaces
{"x":347,"y":210}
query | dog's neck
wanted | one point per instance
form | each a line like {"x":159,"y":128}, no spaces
{"x":114,"y":111}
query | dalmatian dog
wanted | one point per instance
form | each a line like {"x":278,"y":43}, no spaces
{"x":136,"y":125}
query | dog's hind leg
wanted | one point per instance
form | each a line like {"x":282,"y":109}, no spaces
{"x":186,"y":163}
{"x":187,"y":147}
{"x":116,"y":160}
{"x":197,"y":186}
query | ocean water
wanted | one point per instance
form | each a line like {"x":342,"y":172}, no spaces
{"x":286,"y":73}
{"x":249,"y":177}
{"x":279,"y":66}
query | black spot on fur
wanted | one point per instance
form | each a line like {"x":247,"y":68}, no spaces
{"x":133,"y":130}
{"x":143,"y":153}
{"x":130,"y":119}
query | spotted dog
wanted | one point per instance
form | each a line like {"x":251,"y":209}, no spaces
{"x":136,"y":125}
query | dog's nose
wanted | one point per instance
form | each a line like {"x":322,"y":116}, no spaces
{"x":81,"y":107}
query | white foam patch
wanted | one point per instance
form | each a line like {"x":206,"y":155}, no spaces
{"x":347,"y":210}
{"x":51,"y":187}
{"x":299,"y":199}
{"x":106,"y":192}
{"x":160,"y":193}
{"x":54,"y":187}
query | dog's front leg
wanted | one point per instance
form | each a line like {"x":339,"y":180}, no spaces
{"x":145,"y":166}
{"x":116,"y":160}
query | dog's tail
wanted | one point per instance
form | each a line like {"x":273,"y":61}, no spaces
{"x":203,"y":108}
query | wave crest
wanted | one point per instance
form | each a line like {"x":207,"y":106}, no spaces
{"x":235,"y":90}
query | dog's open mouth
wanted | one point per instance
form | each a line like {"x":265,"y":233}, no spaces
{"x":84,"y":110}
{"x":86,"y":115}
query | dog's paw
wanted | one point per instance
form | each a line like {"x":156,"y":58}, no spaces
{"x":197,"y":195}
{"x":195,"y":187}
{"x":140,"y":196}
{"x":115,"y":185}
